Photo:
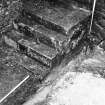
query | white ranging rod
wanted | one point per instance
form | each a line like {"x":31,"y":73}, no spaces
{"x":14,"y":89}
{"x":93,"y":10}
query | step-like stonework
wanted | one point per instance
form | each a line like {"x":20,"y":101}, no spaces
{"x":60,"y":42}
{"x":42,"y":34}
{"x":57,"y":18}
{"x":40,"y":52}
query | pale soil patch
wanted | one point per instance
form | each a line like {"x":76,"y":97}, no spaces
{"x":84,"y":90}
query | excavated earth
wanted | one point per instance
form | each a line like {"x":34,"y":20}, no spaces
{"x":42,"y":59}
